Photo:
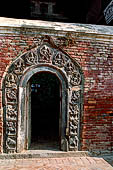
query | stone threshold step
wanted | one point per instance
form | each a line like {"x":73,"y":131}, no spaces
{"x":44,"y":154}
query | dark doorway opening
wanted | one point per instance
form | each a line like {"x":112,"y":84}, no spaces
{"x":45,"y":111}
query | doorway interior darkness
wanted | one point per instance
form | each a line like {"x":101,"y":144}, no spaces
{"x":45,"y":111}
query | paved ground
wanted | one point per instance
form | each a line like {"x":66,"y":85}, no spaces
{"x":67,"y":163}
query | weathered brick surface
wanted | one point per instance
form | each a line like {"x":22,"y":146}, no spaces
{"x":96,"y":60}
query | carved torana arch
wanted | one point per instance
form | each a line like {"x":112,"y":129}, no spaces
{"x":50,"y":55}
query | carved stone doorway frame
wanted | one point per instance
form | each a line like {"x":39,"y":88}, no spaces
{"x":23,"y":137}
{"x":45,"y":57}
{"x":61,"y":102}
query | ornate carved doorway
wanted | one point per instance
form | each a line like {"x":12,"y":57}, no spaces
{"x":45,"y":112}
{"x":50,"y":59}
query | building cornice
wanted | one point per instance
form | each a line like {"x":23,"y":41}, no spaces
{"x":84,"y":31}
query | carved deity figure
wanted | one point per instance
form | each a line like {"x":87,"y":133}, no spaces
{"x":75,"y":96}
{"x":59,"y":59}
{"x":75,"y":79}
{"x":69,"y":67}
{"x":45,"y":54}
{"x":11,"y":81}
{"x":19,"y":67}
{"x":31,"y":58}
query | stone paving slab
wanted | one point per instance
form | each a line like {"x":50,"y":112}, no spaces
{"x":68,"y":163}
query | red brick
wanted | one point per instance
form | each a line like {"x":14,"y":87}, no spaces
{"x":98,"y":84}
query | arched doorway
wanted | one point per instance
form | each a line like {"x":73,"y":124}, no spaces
{"x":45,"y":111}
{"x":50,"y":60}
{"x":55,"y":130}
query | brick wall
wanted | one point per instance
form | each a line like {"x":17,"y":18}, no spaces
{"x":96,"y":60}
{"x":95,"y":56}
